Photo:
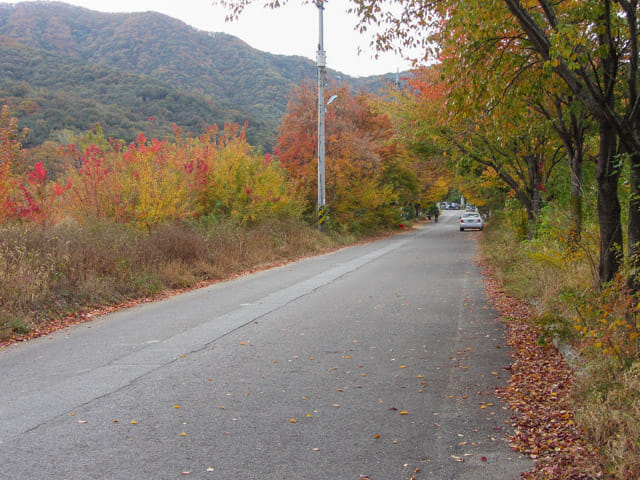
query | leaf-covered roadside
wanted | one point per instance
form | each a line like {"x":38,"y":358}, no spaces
{"x":539,"y":394}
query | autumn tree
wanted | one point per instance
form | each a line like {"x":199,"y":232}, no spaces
{"x":363,"y":188}
{"x":591,"y":47}
{"x":416,"y":112}
{"x":232,"y":181}
{"x":10,"y":147}
{"x":524,"y":159}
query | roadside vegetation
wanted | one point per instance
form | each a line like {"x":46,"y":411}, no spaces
{"x":71,"y":269}
{"x":111,"y":223}
{"x":596,"y":329}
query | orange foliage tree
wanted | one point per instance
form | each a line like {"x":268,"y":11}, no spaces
{"x":417,"y":113}
{"x":9,"y":153}
{"x":358,"y":148}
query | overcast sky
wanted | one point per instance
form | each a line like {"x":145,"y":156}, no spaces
{"x":289,"y":30}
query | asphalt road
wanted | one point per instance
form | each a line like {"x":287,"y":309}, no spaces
{"x":378,"y":360}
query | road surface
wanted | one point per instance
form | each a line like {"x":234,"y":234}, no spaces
{"x":375,"y":361}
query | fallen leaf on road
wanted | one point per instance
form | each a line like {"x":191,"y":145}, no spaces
{"x":404,"y":412}
{"x":293,"y":420}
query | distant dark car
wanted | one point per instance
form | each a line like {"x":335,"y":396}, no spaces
{"x":471,"y":220}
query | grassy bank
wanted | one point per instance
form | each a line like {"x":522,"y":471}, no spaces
{"x":49,"y":273}
{"x":602,"y":325}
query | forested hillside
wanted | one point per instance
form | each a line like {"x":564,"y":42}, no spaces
{"x":66,"y":67}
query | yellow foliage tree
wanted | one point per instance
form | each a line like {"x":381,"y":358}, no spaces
{"x":10,"y":148}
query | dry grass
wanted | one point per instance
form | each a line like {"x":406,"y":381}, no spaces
{"x":608,"y":408}
{"x":48,"y":273}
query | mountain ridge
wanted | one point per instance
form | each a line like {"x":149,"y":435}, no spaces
{"x":223,"y":70}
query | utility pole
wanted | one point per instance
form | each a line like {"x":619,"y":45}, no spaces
{"x":321,"y":62}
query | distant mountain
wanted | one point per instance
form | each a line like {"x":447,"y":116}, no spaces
{"x":64,"y":67}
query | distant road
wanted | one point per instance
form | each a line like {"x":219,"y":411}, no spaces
{"x":378,"y":360}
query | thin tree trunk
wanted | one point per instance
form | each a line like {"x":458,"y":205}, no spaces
{"x":575,"y":200}
{"x":634,"y":222}
{"x":534,"y":165}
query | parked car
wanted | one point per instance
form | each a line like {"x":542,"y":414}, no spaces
{"x":471,"y":220}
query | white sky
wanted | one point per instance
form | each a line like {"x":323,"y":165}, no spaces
{"x":289,"y":30}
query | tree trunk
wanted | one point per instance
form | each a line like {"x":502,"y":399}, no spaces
{"x":575,"y":200}
{"x":634,"y":222}
{"x":607,"y":174}
{"x":536,"y":185}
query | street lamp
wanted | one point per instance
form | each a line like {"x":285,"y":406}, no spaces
{"x":321,"y":62}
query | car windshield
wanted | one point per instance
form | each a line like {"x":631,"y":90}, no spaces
{"x":471,"y":215}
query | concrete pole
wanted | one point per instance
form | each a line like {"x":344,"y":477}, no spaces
{"x":321,"y":61}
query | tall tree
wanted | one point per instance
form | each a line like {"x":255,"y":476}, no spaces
{"x":358,"y":154}
{"x":585,"y":44}
{"x":416,"y":112}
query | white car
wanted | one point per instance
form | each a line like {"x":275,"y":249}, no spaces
{"x":471,"y":220}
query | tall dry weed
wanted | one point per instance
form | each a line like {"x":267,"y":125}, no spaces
{"x":51,"y":271}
